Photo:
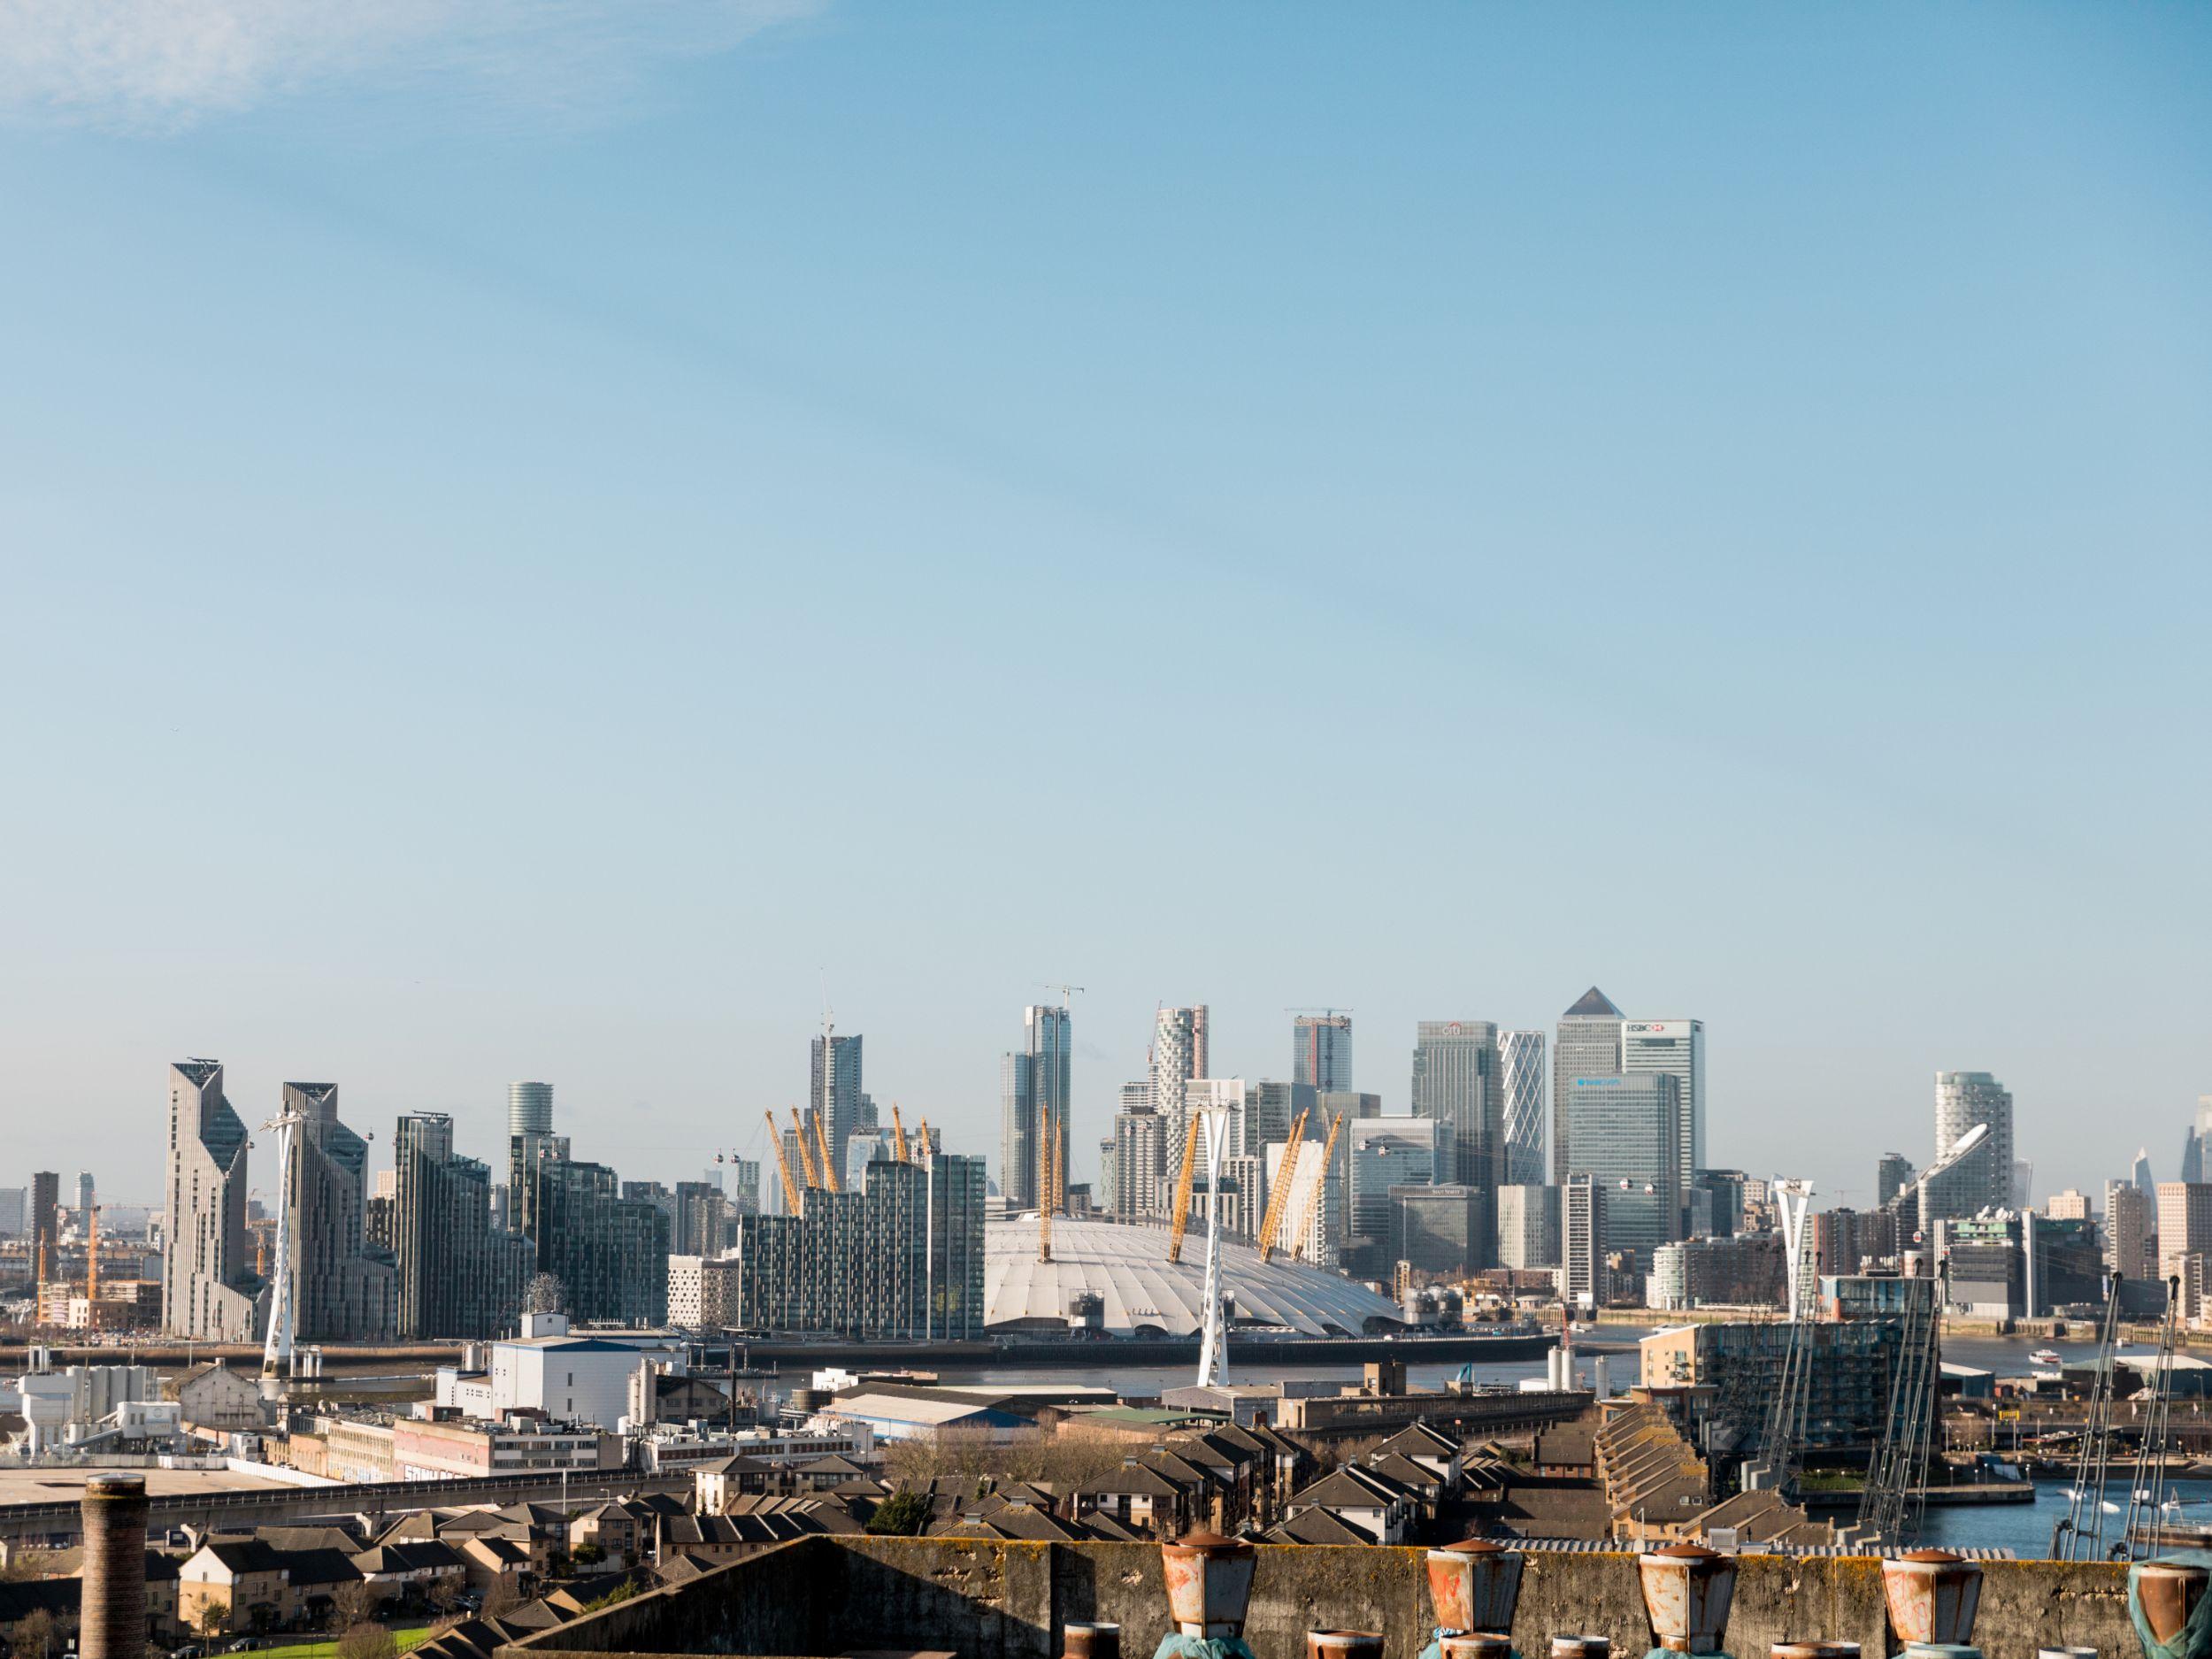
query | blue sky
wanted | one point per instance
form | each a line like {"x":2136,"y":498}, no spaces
{"x":535,"y":536}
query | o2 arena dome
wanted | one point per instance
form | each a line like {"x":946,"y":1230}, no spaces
{"x":1116,"y":1279}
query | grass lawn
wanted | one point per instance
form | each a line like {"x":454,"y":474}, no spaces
{"x":408,"y":1637}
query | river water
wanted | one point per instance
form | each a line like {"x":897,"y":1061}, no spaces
{"x":2023,"y":1528}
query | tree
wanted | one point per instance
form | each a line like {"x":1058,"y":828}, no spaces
{"x":502,"y":1596}
{"x":545,"y":1293}
{"x":354,"y":1605}
{"x":371,"y":1640}
{"x":212,"y":1619}
{"x":902,"y":1515}
{"x":445,"y":1590}
{"x":35,"y":1635}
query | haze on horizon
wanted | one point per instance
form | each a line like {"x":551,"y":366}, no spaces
{"x":538,"y":541}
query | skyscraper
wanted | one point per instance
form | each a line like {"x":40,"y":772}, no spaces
{"x":834,"y":1089}
{"x":339,"y":1292}
{"x":208,"y":1286}
{"x":1589,"y":1045}
{"x":1528,"y":1226}
{"x":610,"y":1252}
{"x":1138,"y":1141}
{"x":1676,"y":1047}
{"x":1388,"y":1152}
{"x":1033,"y":1088}
{"x":1964,"y":1099}
{"x":1321,"y":1050}
{"x":1455,"y":1084}
{"x":1179,"y":1054}
{"x":529,"y":1108}
{"x":1521,"y":1080}
{"x":85,"y":1196}
{"x":459,"y":1278}
{"x":1626,"y":1133}
{"x":45,"y":1229}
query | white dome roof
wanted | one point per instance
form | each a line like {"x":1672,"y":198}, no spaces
{"x":1127,"y":1268}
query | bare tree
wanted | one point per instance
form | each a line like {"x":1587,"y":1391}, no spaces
{"x":545,"y":1293}
{"x":354,"y":1605}
{"x":35,"y":1635}
{"x":502,"y":1597}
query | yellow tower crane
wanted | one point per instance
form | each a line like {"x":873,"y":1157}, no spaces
{"x":791,"y":1204}
{"x":1278,"y":1199}
{"x":898,"y":1134}
{"x":1301,"y":1242}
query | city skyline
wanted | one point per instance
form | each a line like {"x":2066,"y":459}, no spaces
{"x":980,"y":1132}
{"x":598,"y":455}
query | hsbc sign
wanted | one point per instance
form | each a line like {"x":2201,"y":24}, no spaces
{"x":1657,"y":1028}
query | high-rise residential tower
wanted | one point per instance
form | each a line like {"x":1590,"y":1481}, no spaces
{"x":1033,"y":1089}
{"x":1588,"y":1045}
{"x":459,"y":1278}
{"x":1179,"y":1054}
{"x":1455,"y":1083}
{"x":1521,"y":1080}
{"x":1891,"y":1175}
{"x":1139,"y":1135}
{"x":529,"y":1108}
{"x":1964,"y":1099}
{"x":208,"y":1286}
{"x":339,"y":1292}
{"x":1676,"y":1047}
{"x":2128,"y":1218}
{"x":835,"y":1087}
{"x":1321,"y":1050}
{"x":85,"y":1196}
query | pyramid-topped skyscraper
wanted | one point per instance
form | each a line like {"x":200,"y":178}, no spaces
{"x":1588,"y":1045}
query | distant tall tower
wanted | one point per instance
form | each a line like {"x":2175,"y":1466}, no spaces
{"x":1321,"y":1051}
{"x":834,"y":1089}
{"x":1033,"y":1083}
{"x":1677,"y":1047}
{"x":1520,"y":1080}
{"x":1963,"y":1099}
{"x":1891,"y":1175}
{"x":529,"y":1108}
{"x":207,"y":1284}
{"x":45,"y":1228}
{"x":1589,"y":1045}
{"x":84,"y":1196}
{"x":1179,"y":1054}
{"x":1456,"y":1085}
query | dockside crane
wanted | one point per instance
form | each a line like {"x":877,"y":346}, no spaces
{"x":1279,"y":1196}
{"x":791,"y":1204}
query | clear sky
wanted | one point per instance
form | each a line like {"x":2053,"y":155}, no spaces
{"x":537,"y":535}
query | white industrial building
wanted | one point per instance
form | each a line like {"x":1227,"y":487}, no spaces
{"x":582,"y":1379}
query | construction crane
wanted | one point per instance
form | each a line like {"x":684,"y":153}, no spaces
{"x":1278,"y":1197}
{"x":829,"y":1164}
{"x":1303,"y":1243}
{"x":898,"y":1134}
{"x":1066,"y":991}
{"x":1180,"y":1218}
{"x":806,"y":1152}
{"x":791,"y":1204}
